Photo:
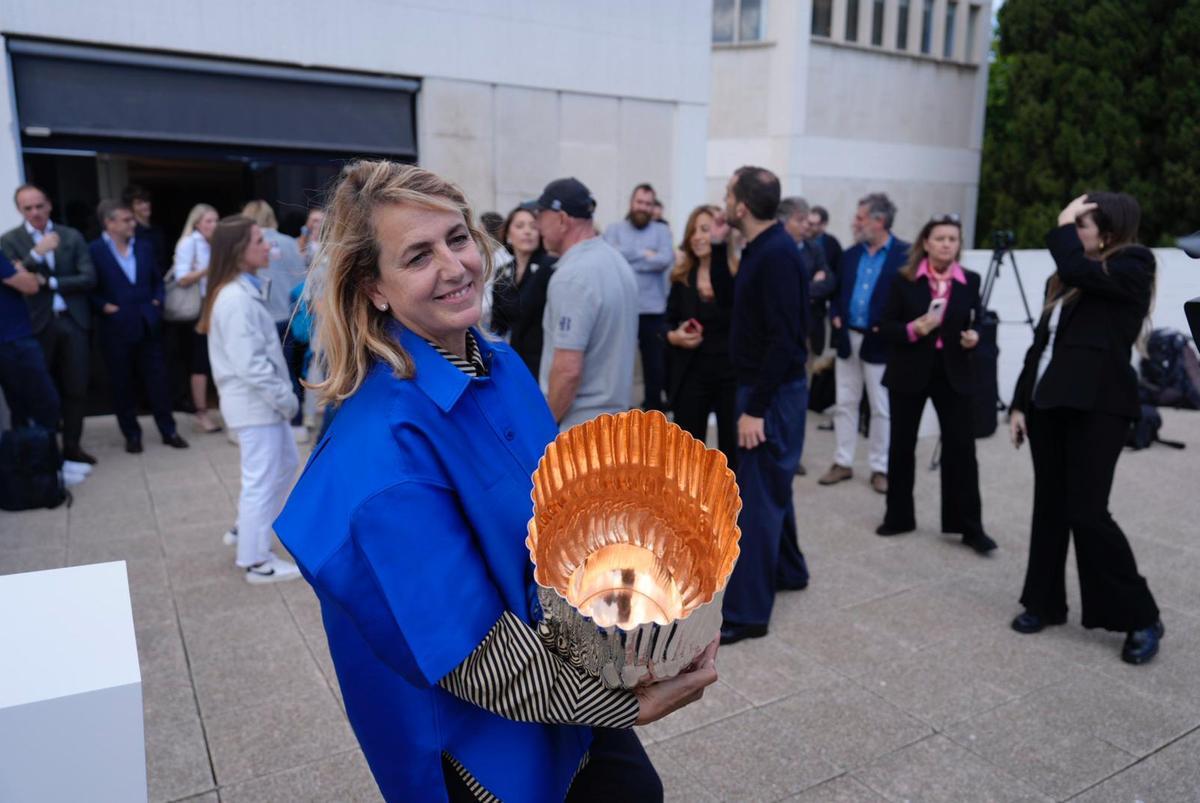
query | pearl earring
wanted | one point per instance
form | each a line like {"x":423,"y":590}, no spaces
{"x":383,"y":307}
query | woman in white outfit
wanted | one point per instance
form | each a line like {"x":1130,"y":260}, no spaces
{"x":192,"y":254}
{"x":257,"y":401}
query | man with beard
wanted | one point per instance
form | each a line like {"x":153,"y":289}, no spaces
{"x":766,"y":344}
{"x":648,"y":250}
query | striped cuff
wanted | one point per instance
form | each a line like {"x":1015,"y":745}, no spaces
{"x":513,"y":674}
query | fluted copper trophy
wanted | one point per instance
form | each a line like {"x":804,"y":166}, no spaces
{"x":633,"y":538}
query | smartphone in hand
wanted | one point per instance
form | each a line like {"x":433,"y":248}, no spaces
{"x":937,"y":308}
{"x":693,"y":326}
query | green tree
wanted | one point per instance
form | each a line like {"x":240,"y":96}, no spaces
{"x":1089,"y":95}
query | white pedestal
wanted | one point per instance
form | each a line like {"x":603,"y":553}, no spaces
{"x":70,"y":687}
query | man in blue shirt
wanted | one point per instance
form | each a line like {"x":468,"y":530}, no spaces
{"x":647,"y":248}
{"x":864,"y":280}
{"x":766,"y":345}
{"x":129,"y":297}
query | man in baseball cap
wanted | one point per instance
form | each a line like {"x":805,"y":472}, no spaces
{"x":591,"y":318}
{"x":568,"y":195}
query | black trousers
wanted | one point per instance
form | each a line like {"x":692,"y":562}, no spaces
{"x":126,"y":361}
{"x":653,"y":350}
{"x":1074,"y":457}
{"x":961,"y":507}
{"x":65,"y":346}
{"x":618,"y":769}
{"x":709,"y":385}
{"x":27,"y":385}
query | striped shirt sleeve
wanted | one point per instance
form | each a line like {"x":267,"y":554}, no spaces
{"x":513,"y":674}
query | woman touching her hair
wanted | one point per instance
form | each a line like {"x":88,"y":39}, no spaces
{"x":1075,"y":398}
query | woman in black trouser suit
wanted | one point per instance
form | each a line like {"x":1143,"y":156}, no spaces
{"x":928,"y":320}
{"x":1076,"y":397}
{"x":701,"y":378}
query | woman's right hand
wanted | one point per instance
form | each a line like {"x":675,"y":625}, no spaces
{"x":1016,"y":428}
{"x":684,"y":337}
{"x":666,"y":696}
{"x":926,"y":324}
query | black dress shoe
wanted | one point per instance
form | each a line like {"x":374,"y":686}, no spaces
{"x":801,"y":471}
{"x":732,"y":634}
{"x":1032,"y":623}
{"x":175,"y":441}
{"x":77,"y":455}
{"x":979,"y":542}
{"x":888,"y":529}
{"x":1140,"y":645}
{"x":133,"y":445}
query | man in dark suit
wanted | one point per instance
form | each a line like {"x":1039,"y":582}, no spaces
{"x":141,"y":204}
{"x":794,"y":215}
{"x":864,"y":279}
{"x":59,"y":310}
{"x":818,"y":220}
{"x":129,"y":297}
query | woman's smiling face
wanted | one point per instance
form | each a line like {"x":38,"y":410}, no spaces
{"x":430,"y":272}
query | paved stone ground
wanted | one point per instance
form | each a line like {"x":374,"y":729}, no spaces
{"x":894,"y":676}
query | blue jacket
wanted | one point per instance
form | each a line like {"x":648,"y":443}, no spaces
{"x":137,"y":313}
{"x":874,"y":348}
{"x":409,"y":522}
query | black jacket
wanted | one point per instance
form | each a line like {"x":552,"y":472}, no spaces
{"x":684,"y":303}
{"x":73,"y":270}
{"x":1090,"y":367}
{"x":909,"y":365}
{"x":517,"y":308}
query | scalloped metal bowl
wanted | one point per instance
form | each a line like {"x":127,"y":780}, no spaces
{"x":633,"y":537}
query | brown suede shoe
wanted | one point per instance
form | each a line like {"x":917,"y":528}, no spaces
{"x":836,"y":474}
{"x":879,"y":482}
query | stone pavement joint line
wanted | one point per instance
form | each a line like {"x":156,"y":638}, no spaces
{"x":894,"y":676}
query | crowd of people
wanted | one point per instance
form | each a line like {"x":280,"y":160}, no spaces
{"x":447,"y":350}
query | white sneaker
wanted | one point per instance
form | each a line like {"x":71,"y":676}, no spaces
{"x":272,"y":570}
{"x":301,"y":434}
{"x":230,"y":536}
{"x":70,"y":480}
{"x":76,"y":468}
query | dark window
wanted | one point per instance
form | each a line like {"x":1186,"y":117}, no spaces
{"x":724,"y":12}
{"x":851,"y":20}
{"x":951,"y":14}
{"x":750,"y":21}
{"x":877,"y":23}
{"x":972,"y":32}
{"x":927,"y":28}
{"x":902,"y":25}
{"x":822,"y":18}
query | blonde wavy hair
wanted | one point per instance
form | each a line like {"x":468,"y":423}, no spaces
{"x":349,"y":333}
{"x":198,"y":211}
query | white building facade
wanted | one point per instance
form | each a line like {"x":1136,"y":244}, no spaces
{"x":845,"y":97}
{"x":499,"y":97}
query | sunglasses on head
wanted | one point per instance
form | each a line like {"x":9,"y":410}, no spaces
{"x":947,"y":218}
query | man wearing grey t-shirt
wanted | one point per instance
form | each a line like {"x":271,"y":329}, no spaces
{"x":591,"y":319}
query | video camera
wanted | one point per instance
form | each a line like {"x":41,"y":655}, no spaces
{"x":1003,"y":239}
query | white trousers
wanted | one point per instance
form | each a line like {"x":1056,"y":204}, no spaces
{"x":269,"y":463}
{"x":851,"y":375}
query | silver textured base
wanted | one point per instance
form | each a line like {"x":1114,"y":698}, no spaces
{"x":627,"y":658}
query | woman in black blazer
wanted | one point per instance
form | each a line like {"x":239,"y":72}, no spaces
{"x":929,"y":323}
{"x":519,"y":294}
{"x":701,"y":378}
{"x":1075,"y":399}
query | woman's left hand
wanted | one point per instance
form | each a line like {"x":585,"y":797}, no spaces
{"x":969,"y":339}
{"x":657,"y":700}
{"x":1072,"y":211}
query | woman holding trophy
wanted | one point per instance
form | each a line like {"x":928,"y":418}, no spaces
{"x":409,"y":523}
